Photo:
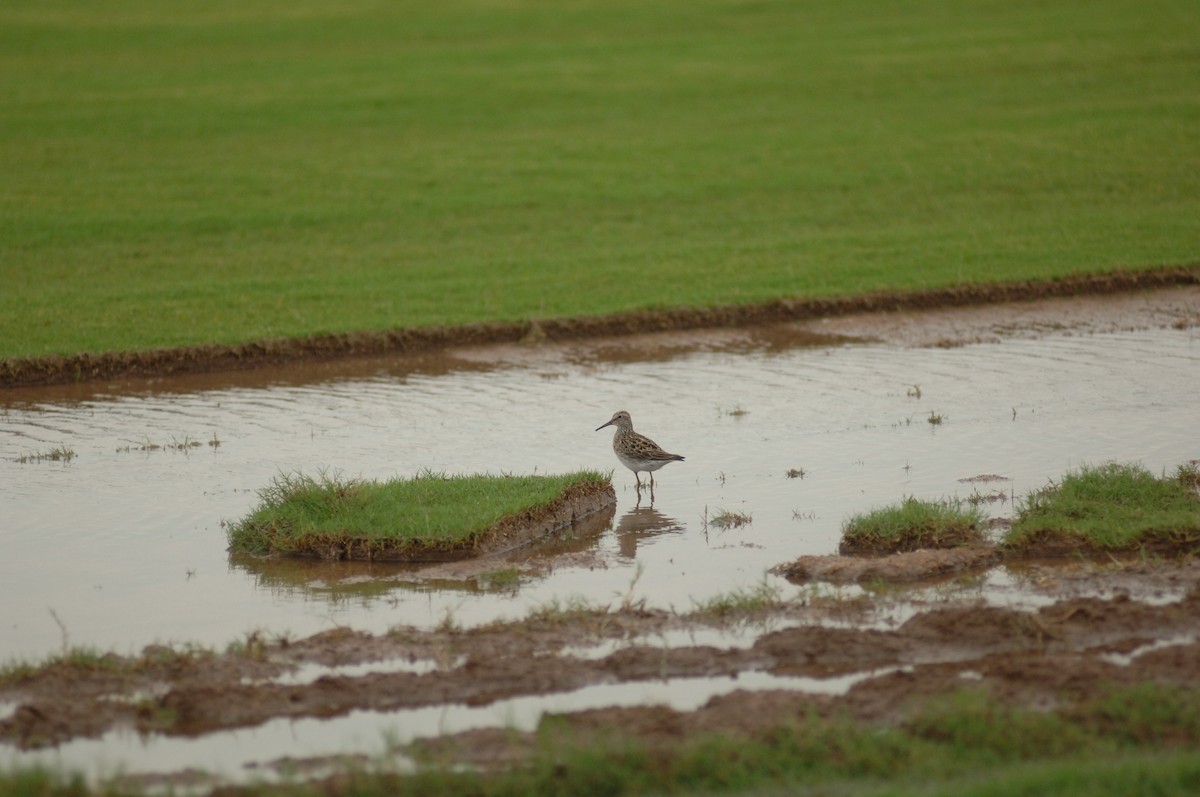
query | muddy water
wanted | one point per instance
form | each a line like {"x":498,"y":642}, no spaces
{"x":123,"y":545}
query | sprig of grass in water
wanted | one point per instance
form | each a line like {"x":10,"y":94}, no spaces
{"x":727,"y":519}
{"x":56,"y":454}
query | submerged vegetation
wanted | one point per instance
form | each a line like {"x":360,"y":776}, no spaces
{"x":330,"y":516}
{"x":56,"y":454}
{"x":727,"y":519}
{"x":1113,"y":507}
{"x":912,"y":525}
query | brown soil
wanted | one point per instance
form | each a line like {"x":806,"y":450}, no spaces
{"x":200,"y":359}
{"x":1096,"y":625}
{"x":898,"y":567}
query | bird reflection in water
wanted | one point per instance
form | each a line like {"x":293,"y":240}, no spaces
{"x":642,"y":523}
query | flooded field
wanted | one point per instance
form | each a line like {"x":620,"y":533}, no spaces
{"x":797,"y":426}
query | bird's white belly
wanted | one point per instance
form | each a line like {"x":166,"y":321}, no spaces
{"x":645,"y":465}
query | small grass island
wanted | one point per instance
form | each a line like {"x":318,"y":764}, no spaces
{"x":1112,"y":508}
{"x":911,"y":526}
{"x":430,"y":517}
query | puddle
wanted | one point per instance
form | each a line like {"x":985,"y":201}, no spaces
{"x":121,"y":547}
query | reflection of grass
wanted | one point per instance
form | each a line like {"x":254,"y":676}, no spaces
{"x":299,"y":513}
{"x":1112,"y":507}
{"x":911,"y":525}
{"x":507,"y":578}
{"x":475,"y":145}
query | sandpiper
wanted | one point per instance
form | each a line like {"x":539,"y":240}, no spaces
{"x":637,"y":452}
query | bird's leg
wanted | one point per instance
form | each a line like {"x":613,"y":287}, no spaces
{"x":638,"y":480}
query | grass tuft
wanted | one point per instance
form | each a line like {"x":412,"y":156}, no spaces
{"x":912,"y":525}
{"x":1113,"y":507}
{"x":739,"y":603}
{"x":298,"y":513}
{"x":727,"y":519}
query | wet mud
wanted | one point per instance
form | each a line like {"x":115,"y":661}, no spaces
{"x":203,"y":359}
{"x":1069,"y":649}
{"x":897,"y":567}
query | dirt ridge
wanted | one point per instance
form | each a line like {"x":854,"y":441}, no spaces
{"x":64,"y":369}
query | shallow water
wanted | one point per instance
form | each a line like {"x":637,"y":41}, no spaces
{"x":122,"y":547}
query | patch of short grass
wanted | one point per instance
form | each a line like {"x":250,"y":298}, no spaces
{"x":1111,"y":507}
{"x":912,"y":525}
{"x":224,"y":171}
{"x":430,"y":511}
{"x":91,"y":659}
{"x":739,"y":603}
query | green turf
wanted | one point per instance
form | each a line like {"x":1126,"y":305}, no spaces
{"x":912,"y":524}
{"x":1113,"y":507}
{"x":225,"y":171}
{"x":429,"y":511}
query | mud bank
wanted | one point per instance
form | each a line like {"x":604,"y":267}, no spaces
{"x":1070,"y":648}
{"x":201,"y":359}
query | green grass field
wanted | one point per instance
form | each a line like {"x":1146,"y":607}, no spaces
{"x":228,"y":171}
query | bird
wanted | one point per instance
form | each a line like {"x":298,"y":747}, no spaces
{"x":636,"y":451}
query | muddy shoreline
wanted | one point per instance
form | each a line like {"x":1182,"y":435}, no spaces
{"x":1100,"y":625}
{"x":77,"y":368}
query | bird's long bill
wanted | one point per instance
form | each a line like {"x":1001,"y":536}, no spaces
{"x":601,"y":426}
